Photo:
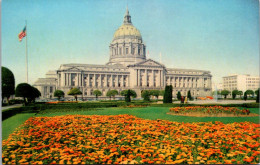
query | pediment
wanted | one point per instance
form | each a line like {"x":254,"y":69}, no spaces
{"x":148,"y":63}
{"x":75,"y":69}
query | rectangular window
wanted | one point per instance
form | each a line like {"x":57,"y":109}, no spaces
{"x":50,"y":89}
{"x":120,"y":51}
{"x":126,"y":50}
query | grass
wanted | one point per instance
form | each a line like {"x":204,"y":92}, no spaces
{"x":10,"y":124}
{"x":153,"y":113}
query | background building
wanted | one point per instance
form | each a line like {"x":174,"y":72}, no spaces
{"x":241,"y":82}
{"x":127,"y":68}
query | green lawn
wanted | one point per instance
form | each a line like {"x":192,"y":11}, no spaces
{"x":158,"y":113}
{"x":10,"y":124}
{"x":153,"y":113}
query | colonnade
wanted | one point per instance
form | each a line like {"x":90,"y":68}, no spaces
{"x":149,"y":78}
{"x":127,"y":49}
{"x":188,"y":81}
{"x":94,"y":80}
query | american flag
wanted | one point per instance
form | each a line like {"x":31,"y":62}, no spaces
{"x":22,"y":34}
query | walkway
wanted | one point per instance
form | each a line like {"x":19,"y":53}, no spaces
{"x":11,"y":106}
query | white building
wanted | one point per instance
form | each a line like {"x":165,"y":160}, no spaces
{"x":127,"y":68}
{"x":241,"y":82}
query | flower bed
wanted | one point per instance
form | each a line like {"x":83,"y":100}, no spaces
{"x":136,"y":106}
{"x":56,"y":102}
{"x":211,"y":110}
{"x":128,"y":139}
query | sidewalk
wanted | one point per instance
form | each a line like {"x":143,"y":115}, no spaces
{"x":11,"y":106}
{"x":221,"y":101}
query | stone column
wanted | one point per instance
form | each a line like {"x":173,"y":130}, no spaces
{"x":112,"y":79}
{"x":88,"y":80}
{"x":94,"y":80}
{"x":160,"y":77}
{"x":105,"y":80}
{"x":101,"y":84}
{"x":122,"y":80}
{"x":145,"y":78}
{"x":137,"y":77}
{"x":127,"y":81}
{"x":152,"y":78}
{"x":62,"y":79}
{"x":82,"y":80}
{"x":67,"y":79}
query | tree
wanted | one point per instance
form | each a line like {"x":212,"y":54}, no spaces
{"x":128,"y":93}
{"x":155,"y":93}
{"x":35,"y":94}
{"x":128,"y":96}
{"x":112,"y":93}
{"x":59,"y":94}
{"x":146,"y":95}
{"x":189,"y":95}
{"x":167,"y":97}
{"x":234,"y":93}
{"x":8,"y":83}
{"x":161,"y":92}
{"x":245,"y":96}
{"x":97,"y":93}
{"x":257,"y":95}
{"x":250,"y":92}
{"x":240,"y":93}
{"x":225,"y":93}
{"x":75,"y":92}
{"x":179,"y":95}
{"x":23,"y":90}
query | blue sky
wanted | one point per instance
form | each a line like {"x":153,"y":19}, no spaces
{"x":221,"y":36}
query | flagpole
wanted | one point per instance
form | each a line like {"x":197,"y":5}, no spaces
{"x":26,"y":53}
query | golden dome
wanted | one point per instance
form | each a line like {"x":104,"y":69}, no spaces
{"x":127,"y":30}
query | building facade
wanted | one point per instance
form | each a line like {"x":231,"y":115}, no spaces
{"x":127,"y":68}
{"x":241,"y":82}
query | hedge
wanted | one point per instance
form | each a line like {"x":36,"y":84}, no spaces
{"x":246,"y":105}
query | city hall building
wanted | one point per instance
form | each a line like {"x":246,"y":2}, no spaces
{"x":127,"y":68}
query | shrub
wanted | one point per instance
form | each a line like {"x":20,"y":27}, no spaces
{"x":245,"y":96}
{"x":59,"y":94}
{"x":250,"y":92}
{"x":112,"y":93}
{"x":179,"y":95}
{"x":167,"y":97}
{"x":155,"y":93}
{"x":189,"y":95}
{"x":128,"y":93}
{"x":146,"y":95}
{"x":97,"y":93}
{"x":23,"y":90}
{"x":74,"y":92}
{"x":225,"y":93}
{"x":235,"y":93}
